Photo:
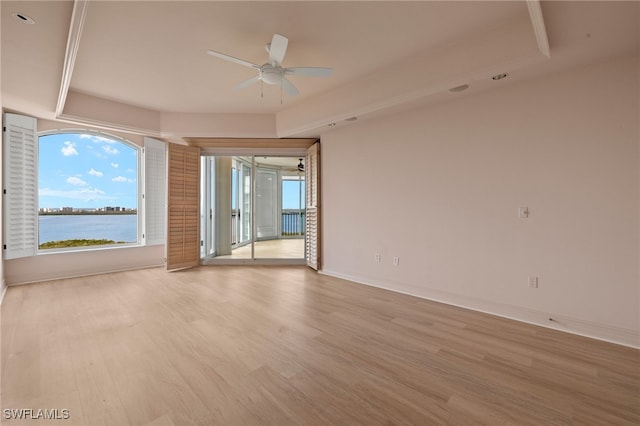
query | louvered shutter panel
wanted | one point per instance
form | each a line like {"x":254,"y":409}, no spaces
{"x":312,"y":230}
{"x":21,"y":186}
{"x":183,"y":233}
{"x":155,"y":191}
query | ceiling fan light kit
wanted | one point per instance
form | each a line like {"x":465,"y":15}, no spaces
{"x":273,"y":72}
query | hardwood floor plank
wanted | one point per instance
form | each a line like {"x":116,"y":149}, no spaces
{"x":286,"y":346}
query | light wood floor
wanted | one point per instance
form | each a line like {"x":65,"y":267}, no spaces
{"x":286,"y":248}
{"x":285,"y":346}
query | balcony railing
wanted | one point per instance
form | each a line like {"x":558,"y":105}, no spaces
{"x":291,"y":225}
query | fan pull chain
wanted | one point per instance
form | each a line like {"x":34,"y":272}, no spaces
{"x":281,"y":78}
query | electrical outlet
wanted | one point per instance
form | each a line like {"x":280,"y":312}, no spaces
{"x":533,"y":282}
{"x":396,"y":261}
{"x":377,"y":257}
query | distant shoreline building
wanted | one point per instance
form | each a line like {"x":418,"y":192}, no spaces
{"x":80,"y":210}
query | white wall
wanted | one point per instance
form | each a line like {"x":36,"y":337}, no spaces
{"x":53,"y":266}
{"x":440,"y":188}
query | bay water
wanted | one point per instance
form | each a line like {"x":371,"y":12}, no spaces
{"x":119,"y":228}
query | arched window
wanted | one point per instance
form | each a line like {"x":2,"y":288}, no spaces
{"x":104,"y":189}
{"x":88,"y":190}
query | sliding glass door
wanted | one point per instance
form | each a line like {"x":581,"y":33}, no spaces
{"x":267,"y":203}
{"x":240,"y":201}
{"x":253,"y":209}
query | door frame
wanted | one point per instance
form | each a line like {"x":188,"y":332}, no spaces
{"x":261,"y":151}
{"x":277,"y":207}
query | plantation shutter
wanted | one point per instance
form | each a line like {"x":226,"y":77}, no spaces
{"x":20,"y":186}
{"x":183,"y":235}
{"x":155,"y":191}
{"x":312,"y":231}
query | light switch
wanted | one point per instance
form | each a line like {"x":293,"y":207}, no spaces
{"x":523,"y":212}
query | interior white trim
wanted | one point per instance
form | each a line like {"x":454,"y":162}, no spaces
{"x":73,"y":42}
{"x":82,"y":121}
{"x":576,"y":326}
{"x":539,"y":29}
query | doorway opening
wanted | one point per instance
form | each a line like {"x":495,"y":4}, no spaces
{"x":253,"y":209}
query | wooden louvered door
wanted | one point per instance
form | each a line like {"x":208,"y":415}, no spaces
{"x":183,"y":215}
{"x":312,"y":229}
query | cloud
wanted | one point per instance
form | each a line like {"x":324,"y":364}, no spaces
{"x":92,"y":191}
{"x":68,"y":149}
{"x":123,"y":179}
{"x":96,"y":138}
{"x":115,"y":165}
{"x":73,"y":180}
{"x":110,"y":150}
{"x":84,"y":194}
{"x":94,"y":172}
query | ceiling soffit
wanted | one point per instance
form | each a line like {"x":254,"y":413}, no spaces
{"x":518,"y":41}
{"x":501,"y":49}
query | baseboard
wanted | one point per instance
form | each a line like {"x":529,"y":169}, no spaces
{"x":550,"y":320}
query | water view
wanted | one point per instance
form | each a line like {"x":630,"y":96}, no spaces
{"x":118,"y":228}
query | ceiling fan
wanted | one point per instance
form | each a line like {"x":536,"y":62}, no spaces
{"x":273,"y":72}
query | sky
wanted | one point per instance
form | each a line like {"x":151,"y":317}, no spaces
{"x":291,"y":198}
{"x":86,"y":171}
{"x":91,"y":171}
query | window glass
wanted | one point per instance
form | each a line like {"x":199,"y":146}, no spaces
{"x":87,"y":191}
{"x":292,"y":206}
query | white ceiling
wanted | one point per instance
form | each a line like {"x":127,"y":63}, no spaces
{"x":155,"y":56}
{"x":152,"y":56}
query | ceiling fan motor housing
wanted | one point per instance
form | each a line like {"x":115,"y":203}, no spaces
{"x":270,"y":74}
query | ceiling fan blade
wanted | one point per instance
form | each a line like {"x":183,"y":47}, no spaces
{"x":232,"y":59}
{"x":248,"y":83}
{"x":277,"y":49}
{"x":289,"y":87}
{"x":309,"y":71}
